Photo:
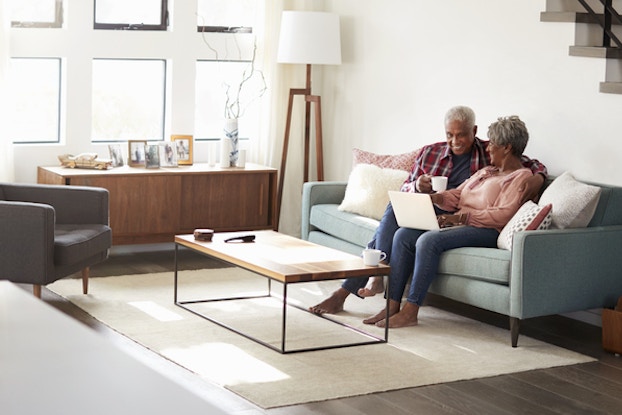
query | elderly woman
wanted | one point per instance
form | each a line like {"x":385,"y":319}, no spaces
{"x":490,"y":198}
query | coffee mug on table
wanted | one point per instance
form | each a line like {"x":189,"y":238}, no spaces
{"x":439,"y":183}
{"x":372,"y":257}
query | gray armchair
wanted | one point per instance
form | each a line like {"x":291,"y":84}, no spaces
{"x":49,"y":232}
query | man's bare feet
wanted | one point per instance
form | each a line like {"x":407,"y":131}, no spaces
{"x":394,"y":307}
{"x":332,"y":304}
{"x":374,"y":286}
{"x":405,"y":318}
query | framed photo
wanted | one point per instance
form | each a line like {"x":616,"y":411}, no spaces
{"x":136,"y":153}
{"x":116,"y":155}
{"x":152,"y":156}
{"x":183,"y":148}
{"x":168,"y":154}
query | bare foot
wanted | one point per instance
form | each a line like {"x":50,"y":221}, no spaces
{"x":405,"y":318}
{"x":332,"y":304}
{"x":394,"y":307}
{"x":374,"y":286}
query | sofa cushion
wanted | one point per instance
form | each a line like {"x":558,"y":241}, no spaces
{"x":529,"y":217}
{"x":75,"y":243}
{"x":574,"y":203}
{"x":344,"y":225}
{"x":367,"y":189}
{"x":486,"y":264}
{"x":403,"y":161}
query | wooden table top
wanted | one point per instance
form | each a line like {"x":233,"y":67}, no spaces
{"x":283,"y":257}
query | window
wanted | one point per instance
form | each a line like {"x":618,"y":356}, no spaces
{"x":214,"y":82}
{"x":35,"y":90}
{"x":128,"y":99}
{"x":231,"y":16}
{"x":36,"y":13}
{"x":131,"y":14}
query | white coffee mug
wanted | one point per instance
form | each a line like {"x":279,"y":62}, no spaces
{"x":439,"y":183}
{"x":372,"y":257}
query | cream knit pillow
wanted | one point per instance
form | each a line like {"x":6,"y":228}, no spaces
{"x":368,"y":187}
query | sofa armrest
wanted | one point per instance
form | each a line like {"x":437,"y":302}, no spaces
{"x":73,"y":204}
{"x":316,"y":193}
{"x":26,"y":241}
{"x":562,"y":270}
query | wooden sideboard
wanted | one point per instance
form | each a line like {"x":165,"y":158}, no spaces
{"x":153,"y":205}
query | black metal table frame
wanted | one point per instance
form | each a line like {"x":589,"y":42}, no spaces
{"x":282,"y":349}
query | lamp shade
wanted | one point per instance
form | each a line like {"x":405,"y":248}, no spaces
{"x":309,"y":38}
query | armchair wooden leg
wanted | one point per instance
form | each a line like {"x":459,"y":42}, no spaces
{"x":514,"y":330}
{"x":85,"y":280}
{"x":36,"y":290}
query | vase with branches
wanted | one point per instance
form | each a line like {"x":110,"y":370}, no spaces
{"x":239,"y":95}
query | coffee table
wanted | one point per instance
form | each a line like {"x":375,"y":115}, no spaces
{"x":285,"y":259}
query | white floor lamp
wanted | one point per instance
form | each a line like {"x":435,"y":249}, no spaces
{"x":310,"y":38}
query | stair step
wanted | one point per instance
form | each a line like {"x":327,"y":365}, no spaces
{"x":611,"y":87}
{"x":571,"y":17}
{"x":595,"y":52}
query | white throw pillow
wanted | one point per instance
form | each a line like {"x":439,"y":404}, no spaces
{"x":529,"y":217}
{"x":368,"y":187}
{"x":574,"y":203}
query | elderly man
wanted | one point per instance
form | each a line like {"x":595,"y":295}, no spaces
{"x":460,"y":156}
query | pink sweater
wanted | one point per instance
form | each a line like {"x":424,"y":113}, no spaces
{"x":489,"y":199}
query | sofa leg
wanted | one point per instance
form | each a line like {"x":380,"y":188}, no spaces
{"x":36,"y":290}
{"x":85,"y":280}
{"x":514,"y":329}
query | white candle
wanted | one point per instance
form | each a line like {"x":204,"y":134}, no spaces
{"x":241,"y":158}
{"x":212,"y":149}
{"x":225,"y":148}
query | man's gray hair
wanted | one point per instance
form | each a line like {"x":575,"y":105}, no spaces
{"x":462,"y":114}
{"x":509,"y":130}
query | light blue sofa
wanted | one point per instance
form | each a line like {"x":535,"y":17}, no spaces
{"x":546,"y":272}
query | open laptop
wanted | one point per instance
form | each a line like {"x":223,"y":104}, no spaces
{"x":415,"y":210}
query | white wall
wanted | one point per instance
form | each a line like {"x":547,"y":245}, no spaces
{"x":407,"y":61}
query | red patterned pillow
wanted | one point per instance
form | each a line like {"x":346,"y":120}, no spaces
{"x":529,"y":217}
{"x":403,"y":161}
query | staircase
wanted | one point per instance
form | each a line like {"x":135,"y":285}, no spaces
{"x":598,"y":33}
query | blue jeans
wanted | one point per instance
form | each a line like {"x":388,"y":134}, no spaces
{"x":383,"y":240}
{"x":416,"y":255}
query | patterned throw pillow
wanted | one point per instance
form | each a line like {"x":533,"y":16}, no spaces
{"x":529,"y":217}
{"x":403,"y":161}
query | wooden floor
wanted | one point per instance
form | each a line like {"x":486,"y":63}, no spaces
{"x":590,"y":388}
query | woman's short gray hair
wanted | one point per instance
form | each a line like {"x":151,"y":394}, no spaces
{"x":462,"y":114}
{"x":509,"y":130}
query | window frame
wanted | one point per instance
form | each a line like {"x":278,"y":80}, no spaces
{"x":163,"y":25}
{"x":56,"y":24}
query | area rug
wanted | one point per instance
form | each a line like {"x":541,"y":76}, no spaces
{"x":443,"y":348}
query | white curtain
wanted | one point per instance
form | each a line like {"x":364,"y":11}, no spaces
{"x":6,"y":148}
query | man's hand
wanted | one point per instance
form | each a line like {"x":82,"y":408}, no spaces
{"x":531,"y":188}
{"x":424,"y":183}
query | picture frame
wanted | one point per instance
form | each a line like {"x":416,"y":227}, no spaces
{"x":136,"y":153}
{"x":152,"y":156}
{"x":168,"y":154}
{"x":116,"y":155}
{"x":183,"y":148}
